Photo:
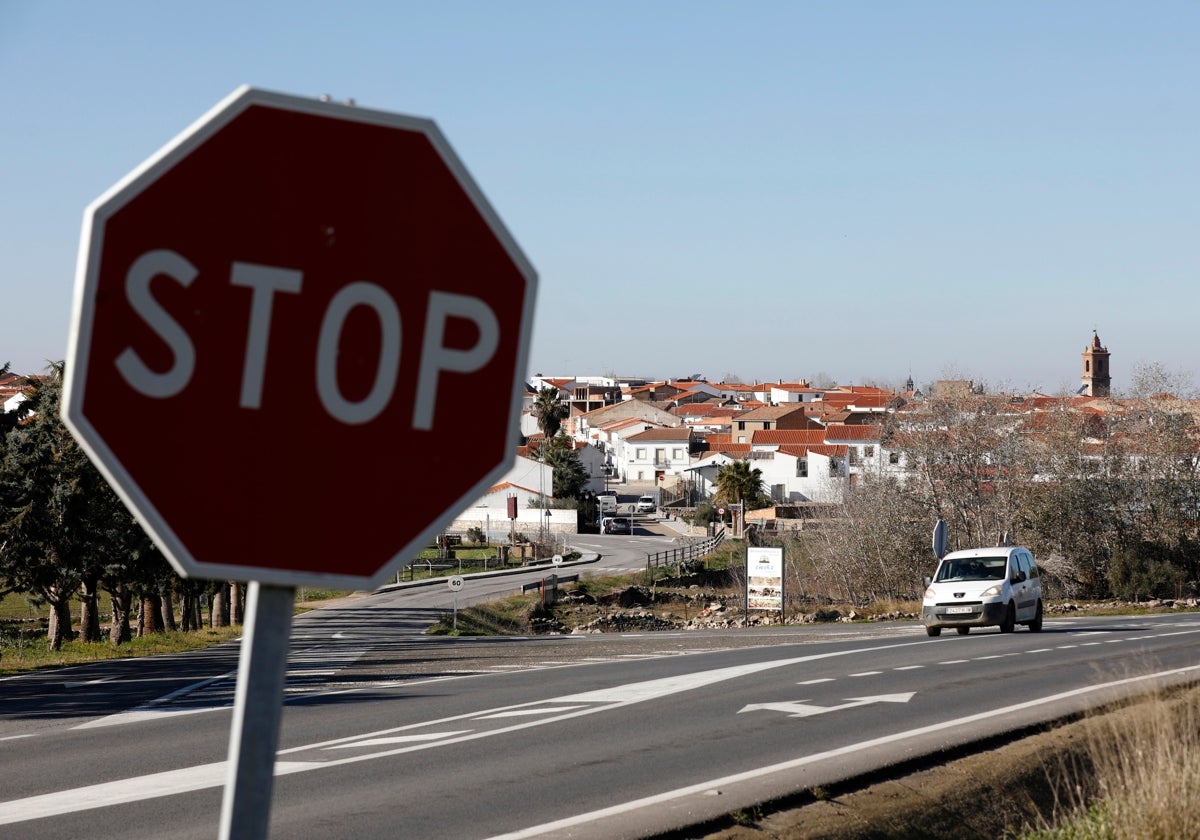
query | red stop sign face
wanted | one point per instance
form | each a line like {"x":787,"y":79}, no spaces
{"x":299,"y":339}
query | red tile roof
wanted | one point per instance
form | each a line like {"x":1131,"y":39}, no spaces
{"x":794,"y":437}
{"x":845,"y":433}
{"x":675,"y":433}
{"x":736,"y":450}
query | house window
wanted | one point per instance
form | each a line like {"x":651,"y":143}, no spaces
{"x":893,"y":458}
{"x":835,"y":466}
{"x":640,"y":454}
{"x":741,"y":438}
{"x":852,"y":454}
{"x":677,"y":454}
{"x":868,"y":451}
{"x":801,"y":468}
{"x":660,"y":457}
{"x":778,"y":492}
{"x":741,"y":425}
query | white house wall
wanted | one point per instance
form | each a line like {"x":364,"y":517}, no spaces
{"x":527,"y":472}
{"x":495,"y":523}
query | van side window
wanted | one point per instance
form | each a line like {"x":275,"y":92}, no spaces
{"x":1033,"y":566}
{"x":1018,"y":566}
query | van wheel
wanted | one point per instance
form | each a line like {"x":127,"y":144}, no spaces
{"x":962,"y":631}
{"x":933,"y":631}
{"x":1010,"y":619}
{"x":1035,"y":626}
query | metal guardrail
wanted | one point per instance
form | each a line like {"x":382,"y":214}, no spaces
{"x":684,"y":553}
{"x":538,"y":584}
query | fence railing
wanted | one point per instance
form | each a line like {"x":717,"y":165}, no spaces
{"x":682,"y":554}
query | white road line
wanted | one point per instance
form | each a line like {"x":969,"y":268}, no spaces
{"x":120,"y":792}
{"x":758,"y":773}
{"x":543,"y":710}
{"x":400,"y":739}
{"x":188,"y":779}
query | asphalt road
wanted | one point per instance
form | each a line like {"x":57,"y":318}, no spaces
{"x":389,"y":733}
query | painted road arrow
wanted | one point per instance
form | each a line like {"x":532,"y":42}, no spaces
{"x":801,"y":709}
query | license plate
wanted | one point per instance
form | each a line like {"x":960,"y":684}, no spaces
{"x":957,"y":610}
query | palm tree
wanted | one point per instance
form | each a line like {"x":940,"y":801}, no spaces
{"x":570,"y":476}
{"x":738,"y":482}
{"x":550,"y":411}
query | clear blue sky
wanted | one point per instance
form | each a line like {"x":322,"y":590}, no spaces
{"x":767,"y":189}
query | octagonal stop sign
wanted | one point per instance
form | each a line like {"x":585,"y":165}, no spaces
{"x":299,"y":341}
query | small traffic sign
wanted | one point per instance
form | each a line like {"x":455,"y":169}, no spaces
{"x":456,"y":583}
{"x":279,"y":318}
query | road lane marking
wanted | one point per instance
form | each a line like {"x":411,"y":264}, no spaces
{"x":306,"y":670}
{"x":189,"y":779}
{"x":530,"y":712}
{"x":88,"y":682}
{"x":106,"y":794}
{"x":657,"y":800}
{"x":400,"y":739}
{"x":803,"y":709}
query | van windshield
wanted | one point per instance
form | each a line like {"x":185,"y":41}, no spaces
{"x":973,"y":568}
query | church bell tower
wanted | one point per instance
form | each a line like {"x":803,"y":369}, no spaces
{"x":1096,"y":380}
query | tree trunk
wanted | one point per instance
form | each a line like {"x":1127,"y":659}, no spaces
{"x":60,"y":622}
{"x":189,"y":607}
{"x":89,"y":616}
{"x":220,"y":606}
{"x":119,"y":632}
{"x":152,"y":617}
{"x":237,"y":603}
{"x":168,"y":608}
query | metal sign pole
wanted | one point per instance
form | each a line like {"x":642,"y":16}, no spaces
{"x":456,"y":583}
{"x":258,"y":707}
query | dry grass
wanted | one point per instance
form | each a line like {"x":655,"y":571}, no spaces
{"x":19,"y":654}
{"x":1138,"y":777}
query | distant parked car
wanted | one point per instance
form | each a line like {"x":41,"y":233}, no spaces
{"x":617,"y":525}
{"x":646,"y":504}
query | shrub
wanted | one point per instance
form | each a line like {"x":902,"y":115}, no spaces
{"x":1144,"y":572}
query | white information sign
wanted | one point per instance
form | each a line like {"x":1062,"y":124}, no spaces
{"x":764,"y":578}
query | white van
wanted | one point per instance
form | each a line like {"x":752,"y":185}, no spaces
{"x":607,"y":503}
{"x":984,"y":587}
